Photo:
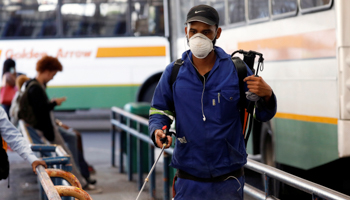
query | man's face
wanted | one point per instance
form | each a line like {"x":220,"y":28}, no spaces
{"x":205,"y":29}
{"x":49,"y":75}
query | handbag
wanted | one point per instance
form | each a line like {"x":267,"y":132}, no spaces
{"x":6,"y":94}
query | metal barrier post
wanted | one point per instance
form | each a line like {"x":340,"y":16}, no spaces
{"x":166,"y":176}
{"x":315,"y":197}
{"x":267,"y":185}
{"x":42,"y":194}
{"x":139,"y":159}
{"x":152,"y":189}
{"x":113,"y":140}
{"x":129,"y":151}
{"x":121,"y":146}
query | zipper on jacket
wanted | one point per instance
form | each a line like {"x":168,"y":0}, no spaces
{"x":204,"y":118}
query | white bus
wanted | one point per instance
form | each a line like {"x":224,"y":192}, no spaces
{"x":110,"y":48}
{"x":107,"y":48}
{"x":306,"y":46}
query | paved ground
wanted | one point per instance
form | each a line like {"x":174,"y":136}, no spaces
{"x":97,"y":147}
{"x":97,"y":151}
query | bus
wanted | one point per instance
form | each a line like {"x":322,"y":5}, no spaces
{"x":107,"y":48}
{"x":306,"y":47}
{"x":114,"y":52}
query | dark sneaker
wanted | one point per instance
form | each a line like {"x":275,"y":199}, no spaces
{"x":91,"y":189}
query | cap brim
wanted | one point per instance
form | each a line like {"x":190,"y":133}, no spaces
{"x":200,"y":19}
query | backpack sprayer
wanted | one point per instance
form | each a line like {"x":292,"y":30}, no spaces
{"x":164,"y":142}
{"x":246,"y":112}
{"x":249,"y":59}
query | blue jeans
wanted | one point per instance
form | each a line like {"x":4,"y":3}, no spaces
{"x":37,"y":139}
{"x":70,"y":139}
{"x":231,"y":189}
{"x":7,"y":110}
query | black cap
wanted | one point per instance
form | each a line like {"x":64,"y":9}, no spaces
{"x":203,"y":13}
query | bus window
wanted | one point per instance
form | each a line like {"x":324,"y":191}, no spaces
{"x":28,"y":21}
{"x":307,"y":6}
{"x":236,"y":11}
{"x":282,"y":8}
{"x":184,"y":7}
{"x":219,"y":5}
{"x":198,"y":2}
{"x":112,"y":18}
{"x":258,"y":10}
{"x":147,"y":18}
{"x":94,"y":19}
{"x":77,"y":18}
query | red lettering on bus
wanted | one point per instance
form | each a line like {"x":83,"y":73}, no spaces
{"x":71,"y":54}
{"x":10,"y":53}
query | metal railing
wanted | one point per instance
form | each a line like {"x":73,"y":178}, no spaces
{"x":317,"y":191}
{"x":47,"y":184}
{"x":122,"y":125}
{"x":61,"y":160}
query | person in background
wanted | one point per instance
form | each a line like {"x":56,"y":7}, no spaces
{"x":20,"y":80}
{"x":16,"y":141}
{"x":84,"y":167}
{"x":8,"y":80}
{"x":42,"y":122}
{"x":210,"y":151}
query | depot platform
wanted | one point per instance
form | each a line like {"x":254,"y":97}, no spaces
{"x":24,"y":184}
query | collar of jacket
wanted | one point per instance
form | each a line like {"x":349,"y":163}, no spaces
{"x":220,"y":55}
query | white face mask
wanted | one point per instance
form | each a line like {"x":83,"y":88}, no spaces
{"x":200,"y":45}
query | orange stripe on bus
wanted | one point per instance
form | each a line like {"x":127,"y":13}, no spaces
{"x":130,"y":51}
{"x":307,"y":118}
{"x":0,"y":52}
{"x":318,"y":44}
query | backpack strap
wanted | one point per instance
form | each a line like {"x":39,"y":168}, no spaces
{"x":178,"y":63}
{"x":242,"y":73}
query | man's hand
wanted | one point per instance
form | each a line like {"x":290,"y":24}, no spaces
{"x":59,"y":123}
{"x":159,"y":134}
{"x":258,"y":86}
{"x":59,"y":101}
{"x":38,"y":162}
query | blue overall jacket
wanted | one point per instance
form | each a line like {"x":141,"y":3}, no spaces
{"x":209,"y":140}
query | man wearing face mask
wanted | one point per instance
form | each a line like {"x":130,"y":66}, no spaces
{"x":209,"y":150}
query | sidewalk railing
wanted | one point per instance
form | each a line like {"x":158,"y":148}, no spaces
{"x":47,"y":184}
{"x":53,"y":189}
{"x":121,"y":125}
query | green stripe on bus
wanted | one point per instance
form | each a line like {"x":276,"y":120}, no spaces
{"x":93,"y":97}
{"x":305,"y":144}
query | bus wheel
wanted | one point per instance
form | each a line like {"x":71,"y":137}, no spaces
{"x":145,"y":93}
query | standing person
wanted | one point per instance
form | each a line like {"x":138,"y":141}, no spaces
{"x":20,"y":80}
{"x":16,"y":141}
{"x":210,"y":152}
{"x":8,"y":88}
{"x":36,"y":110}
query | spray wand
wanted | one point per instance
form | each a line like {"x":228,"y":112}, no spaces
{"x":164,"y":141}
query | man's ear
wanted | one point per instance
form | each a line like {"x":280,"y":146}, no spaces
{"x":218,"y":33}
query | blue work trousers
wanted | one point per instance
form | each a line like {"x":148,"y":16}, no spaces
{"x":231,"y":189}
